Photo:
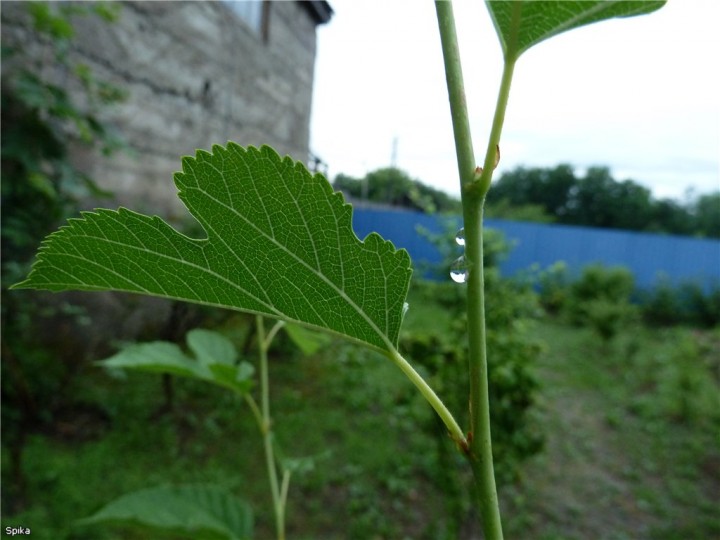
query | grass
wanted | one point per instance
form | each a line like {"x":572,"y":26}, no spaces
{"x":631,"y":451}
{"x":621,"y":460}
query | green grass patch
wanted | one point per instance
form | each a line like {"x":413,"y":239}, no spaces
{"x":631,"y":429}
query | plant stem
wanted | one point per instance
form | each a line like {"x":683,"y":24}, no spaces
{"x":473,"y":191}
{"x":277,"y":497}
{"x":497,"y":125}
{"x":456,"y":93}
{"x":432,"y":398}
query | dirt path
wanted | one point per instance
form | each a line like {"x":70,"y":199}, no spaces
{"x":606,"y":473}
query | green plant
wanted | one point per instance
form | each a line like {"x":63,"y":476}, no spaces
{"x":554,"y":287}
{"x":41,"y":120}
{"x":280,"y":242}
{"x":661,"y":305}
{"x":394,"y":187}
{"x":511,"y":354}
{"x":216,"y":361}
{"x":601,"y":299}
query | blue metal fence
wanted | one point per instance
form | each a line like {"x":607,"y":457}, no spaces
{"x":648,"y":256}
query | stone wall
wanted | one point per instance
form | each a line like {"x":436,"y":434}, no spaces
{"x":196,"y":75}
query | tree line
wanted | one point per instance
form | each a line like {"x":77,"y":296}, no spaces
{"x":552,"y":195}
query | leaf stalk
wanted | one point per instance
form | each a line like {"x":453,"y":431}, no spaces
{"x":432,"y":398}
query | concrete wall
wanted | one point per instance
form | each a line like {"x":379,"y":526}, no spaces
{"x":196,"y":75}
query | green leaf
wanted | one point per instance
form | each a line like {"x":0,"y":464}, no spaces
{"x":280,"y":243}
{"x":214,"y":363}
{"x":199,"y":511}
{"x":308,"y":341}
{"x":211,"y":347}
{"x":156,"y":357}
{"x":520,"y":24}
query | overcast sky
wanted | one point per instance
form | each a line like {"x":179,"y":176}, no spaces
{"x":640,"y":95}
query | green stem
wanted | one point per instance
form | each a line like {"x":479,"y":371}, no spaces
{"x":456,"y":93}
{"x":275,"y":489}
{"x":256,"y":412}
{"x":432,"y":398}
{"x":473,"y":191}
{"x":497,"y":125}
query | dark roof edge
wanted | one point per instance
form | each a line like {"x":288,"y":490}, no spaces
{"x":319,"y":10}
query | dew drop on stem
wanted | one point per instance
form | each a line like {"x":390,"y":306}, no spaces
{"x":459,"y":270}
{"x":460,"y":237}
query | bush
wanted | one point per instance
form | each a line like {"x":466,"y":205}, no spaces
{"x":600,"y":299}
{"x":702,"y":308}
{"x":554,"y":288}
{"x":41,"y":368}
{"x":688,"y":303}
{"x":681,"y":382}
{"x":661,"y":305}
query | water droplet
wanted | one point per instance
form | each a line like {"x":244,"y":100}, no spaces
{"x":459,"y":270}
{"x":460,"y":237}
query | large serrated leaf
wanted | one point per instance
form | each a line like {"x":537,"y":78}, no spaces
{"x":203,"y":512}
{"x":280,"y":243}
{"x":520,"y":24}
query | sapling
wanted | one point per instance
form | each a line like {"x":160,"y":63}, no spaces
{"x":216,"y":361}
{"x":280,"y":243}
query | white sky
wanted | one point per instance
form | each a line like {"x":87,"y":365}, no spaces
{"x":640,"y":95}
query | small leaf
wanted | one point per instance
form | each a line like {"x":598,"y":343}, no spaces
{"x":215,"y":362}
{"x":156,"y":357}
{"x":520,"y":24}
{"x":238,"y":378}
{"x":211,"y":347}
{"x":280,"y":243}
{"x":200,"y":511}
{"x":308,"y":341}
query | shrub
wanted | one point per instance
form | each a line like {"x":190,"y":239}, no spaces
{"x":41,"y":187}
{"x":688,"y":303}
{"x":554,"y":288}
{"x":661,"y":305}
{"x":600,"y":299}
{"x":702,"y":308}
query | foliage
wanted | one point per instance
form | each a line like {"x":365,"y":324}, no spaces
{"x":702,"y":307}
{"x":513,"y":384}
{"x":554,"y":288}
{"x":548,"y":188}
{"x":292,"y":254}
{"x":664,"y":304}
{"x":601,"y":299}
{"x":685,"y":382}
{"x":215,"y":360}
{"x":630,"y":434}
{"x":41,"y":187}
{"x":495,"y":247}
{"x":278,"y":240}
{"x":610,"y":414}
{"x":503,"y":209}
{"x":521,"y":27}
{"x":394,"y":187}
{"x":40,"y":120}
{"x":667,"y":304}
{"x":707,"y":215}
{"x":204,"y":512}
{"x":598,"y":200}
